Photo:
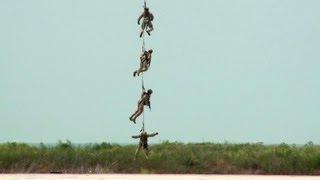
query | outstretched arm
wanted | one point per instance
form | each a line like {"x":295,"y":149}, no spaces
{"x":153,"y":134}
{"x":136,"y":137}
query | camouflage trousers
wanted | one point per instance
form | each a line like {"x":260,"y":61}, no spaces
{"x":144,"y":146}
{"x":138,"y":112}
{"x":143,"y":67}
{"x":146,"y":24}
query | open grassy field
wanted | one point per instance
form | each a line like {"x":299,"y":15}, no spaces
{"x":165,"y":158}
{"x":151,"y":176}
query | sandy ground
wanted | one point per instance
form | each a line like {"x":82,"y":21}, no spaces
{"x":148,"y":177}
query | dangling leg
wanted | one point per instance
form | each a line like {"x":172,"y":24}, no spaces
{"x":146,"y":151}
{"x":132,"y":117}
{"x":150,"y":28}
{"x":135,"y":72}
{"x":143,"y":67}
{"x":142,"y":70}
{"x":142,"y":64}
{"x":137,"y":113}
{"x":143,"y":25}
{"x":137,"y":151}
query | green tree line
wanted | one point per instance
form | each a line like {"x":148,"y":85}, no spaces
{"x":165,"y":158}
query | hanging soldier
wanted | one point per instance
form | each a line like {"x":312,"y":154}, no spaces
{"x":143,"y":143}
{"x":145,"y":62}
{"x":146,"y":23}
{"x":143,"y":101}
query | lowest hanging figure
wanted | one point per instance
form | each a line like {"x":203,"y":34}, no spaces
{"x":143,"y":101}
{"x":143,"y":143}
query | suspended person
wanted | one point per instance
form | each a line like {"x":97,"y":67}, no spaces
{"x":145,"y":62}
{"x":146,"y":23}
{"x":143,"y":143}
{"x":143,"y":101}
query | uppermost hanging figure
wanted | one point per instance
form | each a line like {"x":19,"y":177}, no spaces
{"x":146,"y":23}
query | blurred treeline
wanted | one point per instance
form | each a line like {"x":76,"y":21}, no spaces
{"x":164,"y":158}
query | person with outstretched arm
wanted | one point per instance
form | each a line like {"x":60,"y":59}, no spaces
{"x":143,"y":143}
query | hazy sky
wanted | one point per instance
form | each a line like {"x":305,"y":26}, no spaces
{"x":222,"y":70}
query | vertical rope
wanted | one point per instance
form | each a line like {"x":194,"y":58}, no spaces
{"x":143,"y":42}
{"x":143,"y":49}
{"x":142,"y":121}
{"x":145,"y":26}
{"x":143,"y":105}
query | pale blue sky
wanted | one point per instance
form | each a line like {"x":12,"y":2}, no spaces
{"x":228,"y":70}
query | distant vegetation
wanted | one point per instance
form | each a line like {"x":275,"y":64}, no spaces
{"x":167,"y":157}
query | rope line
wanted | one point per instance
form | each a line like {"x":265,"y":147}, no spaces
{"x":143,"y":49}
{"x":143,"y":30}
{"x":142,"y":83}
{"x":143,"y":42}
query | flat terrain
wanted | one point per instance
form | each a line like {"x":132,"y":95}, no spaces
{"x":148,"y":177}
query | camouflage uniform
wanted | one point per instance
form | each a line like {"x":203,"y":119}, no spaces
{"x":145,"y":61}
{"x":143,"y":143}
{"x":144,"y":100}
{"x":146,"y":23}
